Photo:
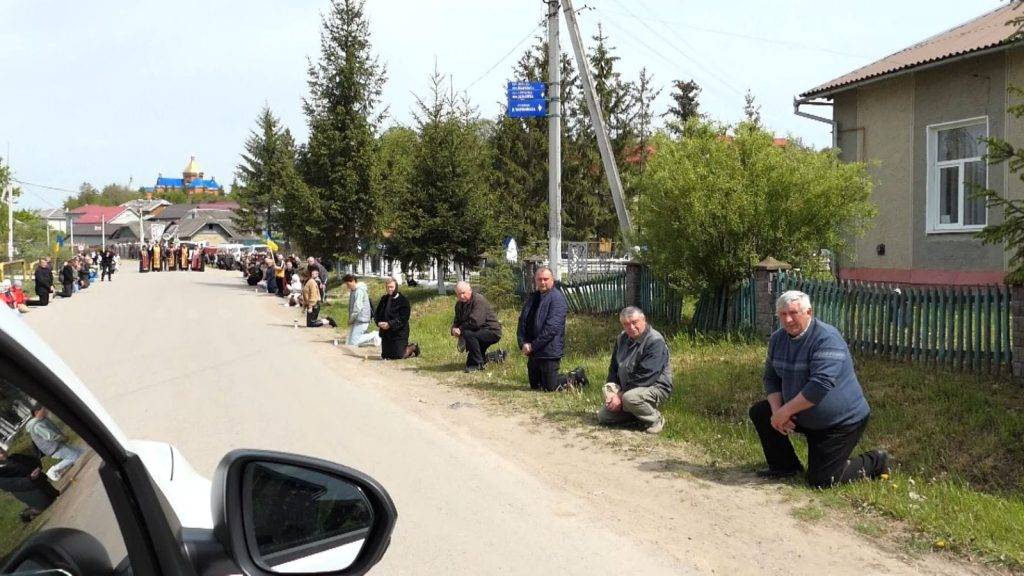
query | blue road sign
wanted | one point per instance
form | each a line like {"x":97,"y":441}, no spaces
{"x":533,"y":108}
{"x":526,"y":90}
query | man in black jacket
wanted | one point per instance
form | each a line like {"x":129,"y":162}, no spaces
{"x":44,"y":281}
{"x":67,"y":278}
{"x":476,"y":324}
{"x":22,"y":476}
{"x":541,"y":333}
{"x":107,"y":265}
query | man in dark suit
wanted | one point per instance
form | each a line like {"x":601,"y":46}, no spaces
{"x":541,"y":332}
{"x":44,"y":281}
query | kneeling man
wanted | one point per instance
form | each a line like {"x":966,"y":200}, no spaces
{"x":639,"y":375}
{"x":812,"y":389}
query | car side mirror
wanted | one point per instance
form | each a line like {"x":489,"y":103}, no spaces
{"x":279,"y":513}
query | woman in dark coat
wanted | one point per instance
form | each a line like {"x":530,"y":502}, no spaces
{"x":392,"y":317}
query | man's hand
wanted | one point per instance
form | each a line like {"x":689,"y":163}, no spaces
{"x":782,"y":421}
{"x":35,"y":473}
{"x":527,"y":349}
{"x":382,"y":325}
{"x":613,"y":403}
{"x":456,"y":332}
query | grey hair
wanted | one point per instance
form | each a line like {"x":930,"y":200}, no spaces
{"x":790,"y":296}
{"x":542,"y":269}
{"x":630,"y":311}
{"x":463,"y":285}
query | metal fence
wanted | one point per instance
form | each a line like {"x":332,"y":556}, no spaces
{"x":957,"y":327}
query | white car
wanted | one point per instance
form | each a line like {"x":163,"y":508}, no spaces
{"x":135,"y":507}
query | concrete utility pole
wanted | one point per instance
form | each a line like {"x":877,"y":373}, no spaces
{"x":554,"y":143}
{"x":103,"y":231}
{"x":10,"y":222}
{"x":611,"y":170}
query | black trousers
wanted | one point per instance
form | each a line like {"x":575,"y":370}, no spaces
{"x":69,"y":288}
{"x":313,"y":317}
{"x":543,"y":373}
{"x":477,"y":343}
{"x":108,"y":273}
{"x":828,"y":450}
{"x":44,"y":299}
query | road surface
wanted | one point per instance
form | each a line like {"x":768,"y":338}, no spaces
{"x":199,"y":360}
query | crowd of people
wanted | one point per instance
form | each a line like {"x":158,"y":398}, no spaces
{"x":171,"y":256}
{"x":76,"y":274}
{"x":810,"y":384}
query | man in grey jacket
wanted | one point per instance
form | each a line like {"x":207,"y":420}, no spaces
{"x":639,"y":375}
{"x":360,"y":312}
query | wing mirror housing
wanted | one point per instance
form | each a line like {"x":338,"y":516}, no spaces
{"x":280,"y":513}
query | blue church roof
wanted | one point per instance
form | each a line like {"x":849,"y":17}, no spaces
{"x":169,"y":182}
{"x":210,"y":184}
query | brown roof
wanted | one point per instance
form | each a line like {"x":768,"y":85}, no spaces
{"x":986,"y":31}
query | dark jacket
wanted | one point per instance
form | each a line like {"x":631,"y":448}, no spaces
{"x":641,"y":363}
{"x":547,"y":334}
{"x":395,"y":311}
{"x":67,"y":275}
{"x":44,"y":280}
{"x":476,"y":314}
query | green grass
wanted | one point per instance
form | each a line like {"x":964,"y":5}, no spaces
{"x":957,"y":439}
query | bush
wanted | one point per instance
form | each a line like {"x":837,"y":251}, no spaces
{"x":498,"y":281}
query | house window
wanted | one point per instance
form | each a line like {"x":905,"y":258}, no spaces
{"x":956,"y":168}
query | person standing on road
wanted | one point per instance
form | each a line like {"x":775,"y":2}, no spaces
{"x":44,"y":281}
{"x":393,"y":322}
{"x":51,"y":442}
{"x":359,"y":314}
{"x":311,"y":300}
{"x":812,"y":389}
{"x":67,"y":278}
{"x":639,"y":375}
{"x":107,"y":265}
{"x":541,"y":332}
{"x":475,"y":325}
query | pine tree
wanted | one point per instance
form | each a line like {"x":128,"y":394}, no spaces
{"x":644,"y":95}
{"x":451,"y":213}
{"x":684,"y":106}
{"x":751,"y":109}
{"x":342,"y":111}
{"x":267,"y":169}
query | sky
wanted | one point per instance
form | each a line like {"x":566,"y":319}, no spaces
{"x":108,"y":91}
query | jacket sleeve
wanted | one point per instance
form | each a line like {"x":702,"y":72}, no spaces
{"x":379,"y":312}
{"x":455,"y":318}
{"x":554,"y":323}
{"x":826,"y":364}
{"x":613,"y":366}
{"x":772,"y":381}
{"x":47,"y":431}
{"x":523,"y":314}
{"x":650,"y":365}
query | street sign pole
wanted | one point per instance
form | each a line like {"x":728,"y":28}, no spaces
{"x":554,"y":144}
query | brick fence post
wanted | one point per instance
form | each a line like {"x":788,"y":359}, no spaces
{"x":633,"y":284}
{"x":764,"y":294}
{"x":1017,"y":332}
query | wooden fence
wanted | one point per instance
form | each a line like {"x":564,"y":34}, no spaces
{"x":606,"y":295}
{"x":728,"y":310}
{"x":957,"y":327}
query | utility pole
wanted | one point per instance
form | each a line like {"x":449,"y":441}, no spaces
{"x":10,"y":222}
{"x":103,"y":231}
{"x":611,"y":170}
{"x":554,"y":143}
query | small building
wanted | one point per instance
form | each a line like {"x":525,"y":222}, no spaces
{"x":192,"y":181}
{"x":93,"y":214}
{"x":55,"y":218}
{"x":917,"y":117}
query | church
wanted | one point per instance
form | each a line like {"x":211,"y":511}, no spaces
{"x":192,"y":181}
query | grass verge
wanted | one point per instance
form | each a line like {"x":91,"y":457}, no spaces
{"x":958,"y":439}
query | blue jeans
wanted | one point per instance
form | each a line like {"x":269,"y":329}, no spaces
{"x":358,"y":336}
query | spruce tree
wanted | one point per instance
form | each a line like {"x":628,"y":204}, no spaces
{"x":685,"y":105}
{"x":343,"y":115}
{"x":263,"y":175}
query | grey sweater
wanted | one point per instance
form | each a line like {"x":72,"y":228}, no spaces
{"x":817,"y":365}
{"x":641,"y":362}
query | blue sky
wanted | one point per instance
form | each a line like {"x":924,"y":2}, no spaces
{"x":104,"y":91}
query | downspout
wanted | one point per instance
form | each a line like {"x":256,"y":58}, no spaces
{"x":798,"y":102}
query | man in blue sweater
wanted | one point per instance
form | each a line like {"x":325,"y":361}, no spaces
{"x":812,"y":389}
{"x":541,"y":332}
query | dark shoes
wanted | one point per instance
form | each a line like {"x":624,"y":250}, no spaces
{"x":468,"y":369}
{"x":770,"y":474}
{"x":331,"y":321}
{"x":575,"y":379}
{"x":411,"y":350}
{"x":881,"y":463}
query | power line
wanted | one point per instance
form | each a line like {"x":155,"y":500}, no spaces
{"x":680,"y":51}
{"x":788,"y":44}
{"x":44,"y":186}
{"x":507,"y":54}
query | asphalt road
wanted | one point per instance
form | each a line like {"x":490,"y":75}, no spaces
{"x":199,"y":360}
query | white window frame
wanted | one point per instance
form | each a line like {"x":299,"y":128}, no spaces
{"x":933,"y":168}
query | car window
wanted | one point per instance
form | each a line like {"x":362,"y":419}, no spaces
{"x":50,"y":488}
